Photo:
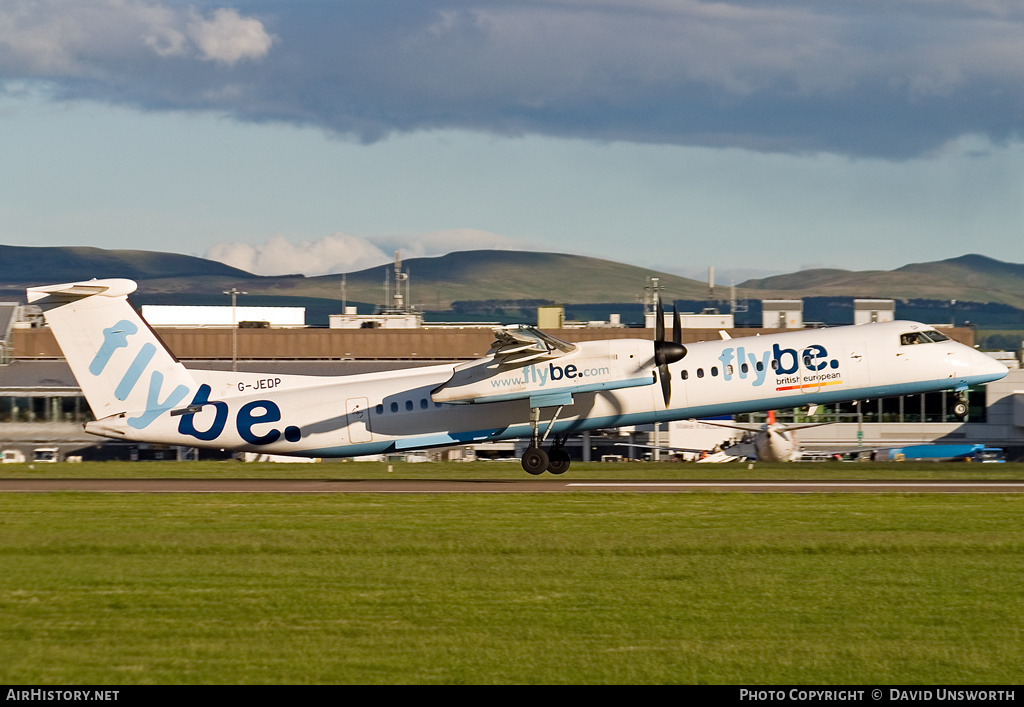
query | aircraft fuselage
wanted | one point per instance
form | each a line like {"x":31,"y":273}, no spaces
{"x":604,"y":384}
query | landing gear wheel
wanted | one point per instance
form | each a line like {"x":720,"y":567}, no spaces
{"x":558,"y":460}
{"x":535,"y":461}
{"x":960,"y":410}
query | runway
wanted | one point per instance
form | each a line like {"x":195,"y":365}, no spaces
{"x":449,"y":486}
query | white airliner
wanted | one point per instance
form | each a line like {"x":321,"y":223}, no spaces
{"x":770,"y":441}
{"x":529,"y":385}
{"x":773,"y":441}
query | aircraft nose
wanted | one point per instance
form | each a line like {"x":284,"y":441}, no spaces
{"x":986,"y":367}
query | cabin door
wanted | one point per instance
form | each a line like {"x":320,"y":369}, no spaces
{"x":357,"y":414}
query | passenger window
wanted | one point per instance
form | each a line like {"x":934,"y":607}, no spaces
{"x":408,"y":405}
{"x":686,"y":374}
{"x":424,"y":404}
{"x":380,"y":409}
{"x":759,"y":366}
{"x":744,"y":368}
{"x":714,"y":370}
{"x":775,"y":365}
{"x":700,"y":372}
{"x":728,"y":370}
{"x":394,"y":407}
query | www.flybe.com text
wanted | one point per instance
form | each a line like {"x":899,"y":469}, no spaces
{"x":541,"y":375}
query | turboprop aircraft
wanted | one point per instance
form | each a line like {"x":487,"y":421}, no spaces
{"x":528,"y":385}
{"x":770,"y":441}
{"x":773,"y":441}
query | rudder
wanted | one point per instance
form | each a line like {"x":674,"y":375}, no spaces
{"x":119,"y":362}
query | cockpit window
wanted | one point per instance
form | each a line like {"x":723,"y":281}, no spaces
{"x":922,"y":337}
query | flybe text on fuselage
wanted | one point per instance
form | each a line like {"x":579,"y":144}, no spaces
{"x":793,"y":368}
{"x":595,"y":366}
{"x":543,"y":374}
{"x":249,"y":417}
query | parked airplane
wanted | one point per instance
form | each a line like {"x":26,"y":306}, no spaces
{"x":773,"y":441}
{"x":770,"y":441}
{"x":529,"y":385}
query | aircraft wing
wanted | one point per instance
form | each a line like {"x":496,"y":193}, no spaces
{"x":755,"y":427}
{"x":665,"y":447}
{"x":725,"y":454}
{"x":528,"y":364}
{"x":746,"y":427}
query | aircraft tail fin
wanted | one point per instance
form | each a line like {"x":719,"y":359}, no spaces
{"x":119,"y":362}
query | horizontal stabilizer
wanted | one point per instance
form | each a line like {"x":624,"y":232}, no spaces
{"x":79,"y":290}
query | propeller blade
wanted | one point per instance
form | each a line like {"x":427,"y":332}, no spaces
{"x":659,"y":323}
{"x":666,"y":352}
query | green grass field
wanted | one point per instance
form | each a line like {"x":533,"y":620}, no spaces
{"x":533,"y":588}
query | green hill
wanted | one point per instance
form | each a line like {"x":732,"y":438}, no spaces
{"x":505,"y":275}
{"x":439,"y":281}
{"x":27,"y":265}
{"x":496,"y":275}
{"x":969,"y":278}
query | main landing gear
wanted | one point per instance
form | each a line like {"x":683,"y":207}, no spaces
{"x":535,"y":460}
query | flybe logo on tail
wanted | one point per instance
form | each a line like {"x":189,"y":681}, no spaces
{"x":794,"y":370}
{"x":249,"y":415}
{"x":116,"y":337}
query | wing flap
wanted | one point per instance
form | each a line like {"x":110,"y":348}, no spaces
{"x":514,"y":347}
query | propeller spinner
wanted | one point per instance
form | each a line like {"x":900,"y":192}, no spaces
{"x":666,"y":352}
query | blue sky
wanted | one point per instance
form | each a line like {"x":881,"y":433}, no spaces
{"x":761,"y":136}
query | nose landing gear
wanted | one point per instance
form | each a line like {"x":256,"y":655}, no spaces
{"x":960,"y":408}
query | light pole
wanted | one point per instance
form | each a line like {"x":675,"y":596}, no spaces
{"x":234,"y":326}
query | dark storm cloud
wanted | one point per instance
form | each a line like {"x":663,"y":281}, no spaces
{"x":893,"y":79}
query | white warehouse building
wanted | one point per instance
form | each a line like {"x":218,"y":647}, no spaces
{"x":866,"y":311}
{"x":160,"y":315}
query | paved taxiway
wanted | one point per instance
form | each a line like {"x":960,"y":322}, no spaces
{"x":548,"y":485}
